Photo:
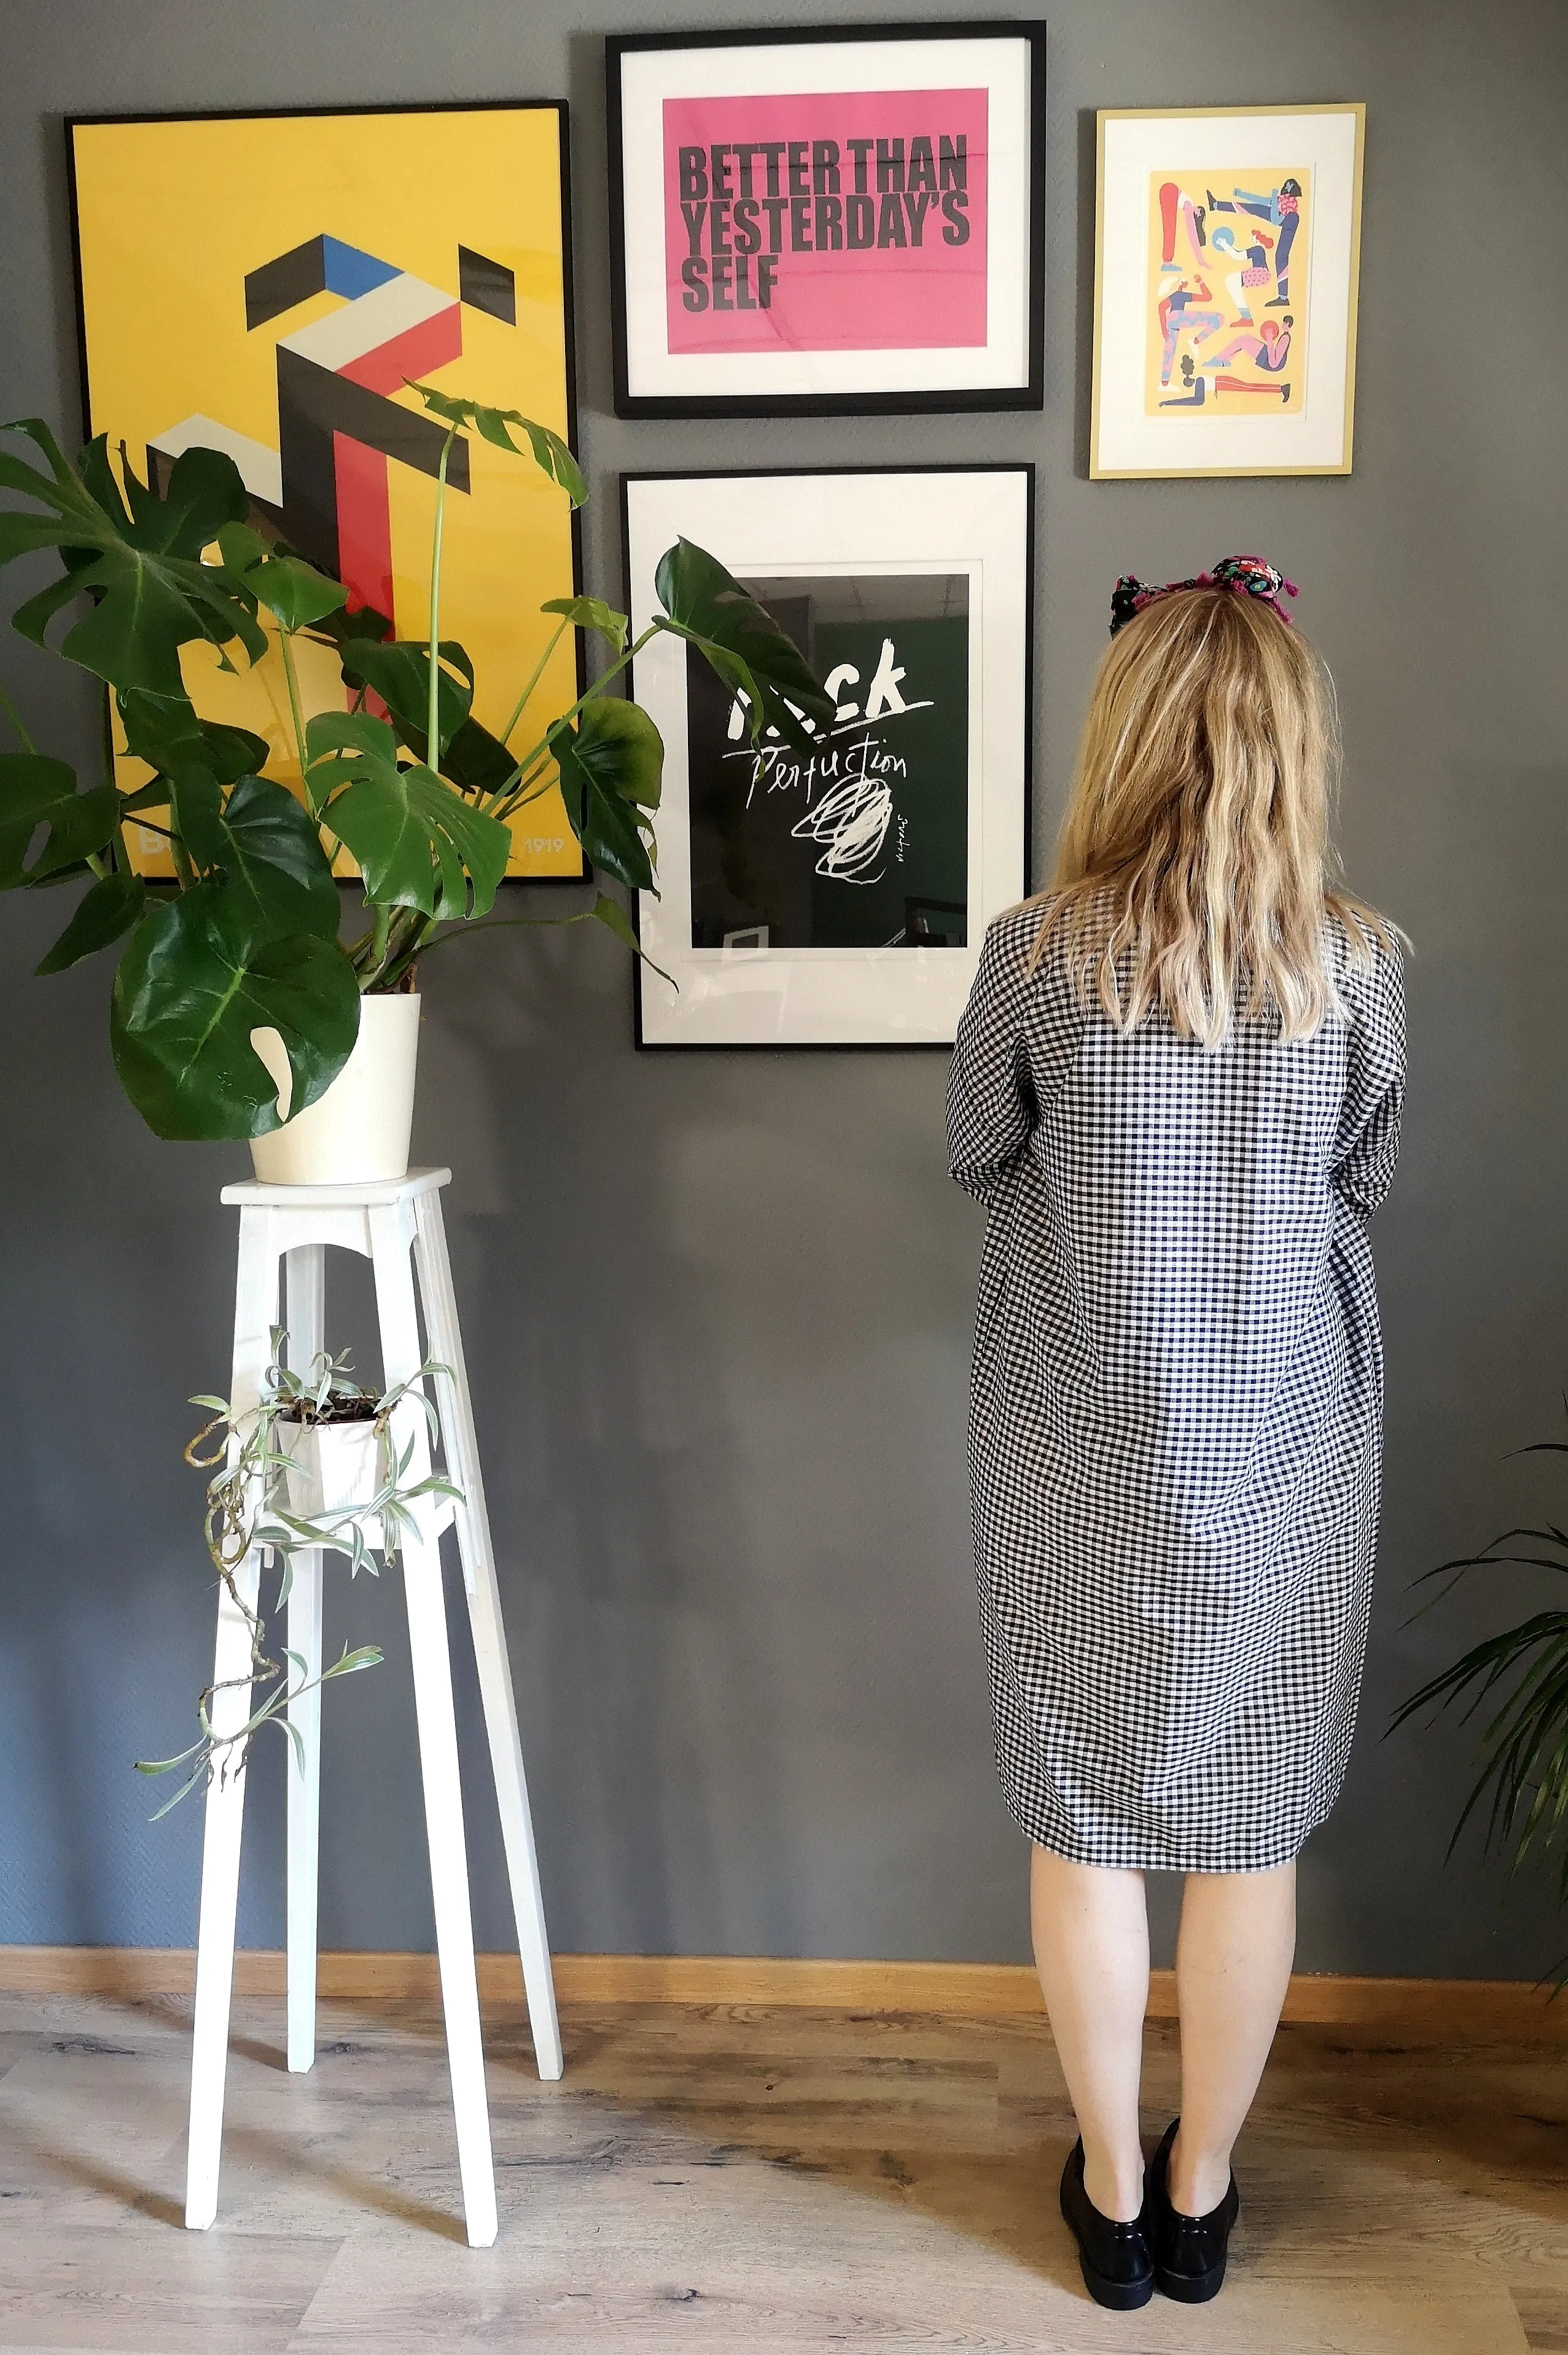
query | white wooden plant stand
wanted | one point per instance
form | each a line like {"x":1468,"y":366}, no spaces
{"x":289,"y":1227}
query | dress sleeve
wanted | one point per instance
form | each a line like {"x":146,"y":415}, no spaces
{"x":1001,"y":1074}
{"x":1367,"y":1146}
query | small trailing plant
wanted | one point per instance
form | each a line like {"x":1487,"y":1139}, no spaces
{"x":417,"y":792}
{"x":1522,"y":1673}
{"x":247,"y":1508}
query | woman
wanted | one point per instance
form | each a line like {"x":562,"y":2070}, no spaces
{"x":1178,"y":1088}
{"x":1268,"y":349}
{"x":1178,"y":317}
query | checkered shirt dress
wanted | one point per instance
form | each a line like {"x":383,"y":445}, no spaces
{"x":1176,"y":1408}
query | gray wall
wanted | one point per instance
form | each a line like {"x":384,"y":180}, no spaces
{"x":718,"y":1306}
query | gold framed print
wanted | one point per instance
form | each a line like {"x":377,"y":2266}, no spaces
{"x":1226,"y":277}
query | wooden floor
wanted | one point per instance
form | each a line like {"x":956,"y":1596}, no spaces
{"x":724,"y":2179}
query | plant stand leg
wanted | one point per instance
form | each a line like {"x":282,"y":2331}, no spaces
{"x":255,"y":1311}
{"x":489,"y":1632}
{"x":400,"y":1360}
{"x":305,"y":1296}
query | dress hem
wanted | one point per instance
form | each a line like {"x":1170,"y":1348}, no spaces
{"x":1144,"y":1860}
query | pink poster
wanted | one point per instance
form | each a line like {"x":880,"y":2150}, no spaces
{"x":850,"y":221}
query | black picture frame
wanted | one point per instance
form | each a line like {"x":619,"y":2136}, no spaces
{"x":915,"y":400}
{"x":1026,"y":471}
{"x":71,"y":124}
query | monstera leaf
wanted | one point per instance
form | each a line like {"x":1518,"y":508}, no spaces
{"x":294,"y":593}
{"x":494,"y":425}
{"x":611,"y":767}
{"x":590,"y":613}
{"x":105,"y":913}
{"x":164,"y":731}
{"x":37,"y":792}
{"x":270,"y":854}
{"x":399,"y":672}
{"x":136,"y":553}
{"x":256,"y":832}
{"x":200,"y":975}
{"x":418,"y":844}
{"x":742,"y":643}
{"x":474,"y":762}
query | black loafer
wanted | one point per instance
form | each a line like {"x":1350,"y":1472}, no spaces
{"x":1117,"y":2268}
{"x":1189,"y":2252}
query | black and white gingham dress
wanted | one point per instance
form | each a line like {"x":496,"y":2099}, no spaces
{"x":1176,"y":1405}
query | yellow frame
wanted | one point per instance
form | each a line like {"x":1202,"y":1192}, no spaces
{"x":163,"y":332}
{"x":1098,"y":473}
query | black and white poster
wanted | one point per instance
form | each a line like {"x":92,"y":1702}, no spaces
{"x":837,"y":895}
{"x":862,"y":842}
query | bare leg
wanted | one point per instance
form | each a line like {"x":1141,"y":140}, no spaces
{"x":1232,"y":1966}
{"x":1090,"y":1949}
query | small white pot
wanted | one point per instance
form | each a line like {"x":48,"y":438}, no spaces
{"x":358,"y":1131}
{"x":333,"y":1469}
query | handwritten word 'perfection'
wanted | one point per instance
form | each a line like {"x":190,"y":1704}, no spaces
{"x":848,"y":794}
{"x":746,"y":204}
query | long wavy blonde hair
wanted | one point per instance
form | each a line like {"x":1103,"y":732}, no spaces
{"x":1194,"y":863}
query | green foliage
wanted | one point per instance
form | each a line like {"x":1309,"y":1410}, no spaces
{"x":106,"y":910}
{"x":399,"y":673}
{"x":136,"y":555}
{"x":590,"y":613}
{"x":294,"y":593}
{"x":164,"y":731}
{"x":610,"y":764}
{"x":34,"y":792}
{"x":1523,"y":1673}
{"x":248,"y":1452}
{"x":200,"y":974}
{"x":246,"y":937}
{"x":742,"y":643}
{"x":549,"y":452}
{"x":270,"y":855}
{"x":417,"y":843}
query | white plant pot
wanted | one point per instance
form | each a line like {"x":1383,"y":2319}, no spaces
{"x":334,"y":1469}
{"x":358,"y":1131}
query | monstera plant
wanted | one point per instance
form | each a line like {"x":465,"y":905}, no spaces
{"x":403,"y":778}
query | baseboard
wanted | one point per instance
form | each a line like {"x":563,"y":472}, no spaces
{"x":1436,"y":2007}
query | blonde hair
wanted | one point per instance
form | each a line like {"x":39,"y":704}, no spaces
{"x":1194,"y":857}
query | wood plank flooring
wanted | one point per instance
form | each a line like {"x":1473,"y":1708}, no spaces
{"x":727,"y":2178}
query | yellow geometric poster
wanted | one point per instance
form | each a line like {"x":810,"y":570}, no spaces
{"x":1226,"y":334}
{"x":268,"y":285}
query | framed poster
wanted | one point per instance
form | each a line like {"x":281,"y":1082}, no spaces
{"x":839,"y":898}
{"x":265,"y":285}
{"x":828,"y":222}
{"x":1227,"y":261}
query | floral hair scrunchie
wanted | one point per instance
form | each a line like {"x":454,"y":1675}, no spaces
{"x":1249,"y":576}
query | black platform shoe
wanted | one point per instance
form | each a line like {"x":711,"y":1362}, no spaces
{"x":1117,"y":2268}
{"x":1189,"y":2252}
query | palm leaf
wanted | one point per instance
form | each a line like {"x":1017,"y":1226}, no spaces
{"x":1520,"y":1675}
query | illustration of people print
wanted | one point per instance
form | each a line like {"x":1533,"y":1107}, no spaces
{"x":1220,"y":268}
{"x":1173,"y":206}
{"x":1252,"y":271}
{"x":1194,"y":387}
{"x":1178,"y":317}
{"x":1282,"y":207}
{"x":1267,"y":347}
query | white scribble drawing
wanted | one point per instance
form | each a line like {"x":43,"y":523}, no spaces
{"x":851,"y":822}
{"x":856,"y":809}
{"x":851,"y":819}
